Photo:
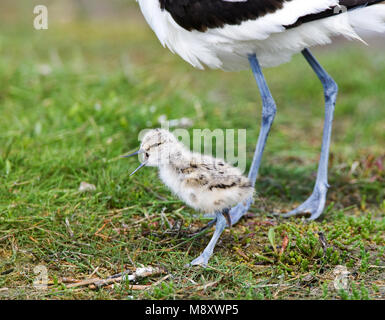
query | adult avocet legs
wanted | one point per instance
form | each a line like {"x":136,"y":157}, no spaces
{"x":316,"y":202}
{"x":219,"y":34}
{"x":269,"y":110}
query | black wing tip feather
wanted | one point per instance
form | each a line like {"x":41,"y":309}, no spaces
{"x":344,"y":4}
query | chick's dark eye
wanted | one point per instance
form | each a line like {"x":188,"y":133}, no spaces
{"x":147,"y":155}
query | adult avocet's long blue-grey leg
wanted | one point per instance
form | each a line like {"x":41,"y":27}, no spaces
{"x":269,"y":110}
{"x":268,"y":114}
{"x":315,"y":204}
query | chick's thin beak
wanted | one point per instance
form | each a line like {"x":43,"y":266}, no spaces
{"x":138,"y":168}
{"x":133,"y":154}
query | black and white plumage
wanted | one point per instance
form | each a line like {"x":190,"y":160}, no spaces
{"x":220,"y":34}
{"x":239,"y":34}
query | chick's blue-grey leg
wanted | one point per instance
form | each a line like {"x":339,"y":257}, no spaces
{"x":315,"y":204}
{"x":203,"y":259}
{"x":269,"y":110}
{"x":208,"y":226}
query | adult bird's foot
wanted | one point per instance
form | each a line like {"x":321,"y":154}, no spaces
{"x":314,"y":205}
{"x":202,"y":261}
{"x":237,"y":212}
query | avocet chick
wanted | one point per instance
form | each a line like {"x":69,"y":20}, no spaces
{"x":204,"y":183}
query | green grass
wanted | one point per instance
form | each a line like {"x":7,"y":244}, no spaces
{"x":72,"y":124}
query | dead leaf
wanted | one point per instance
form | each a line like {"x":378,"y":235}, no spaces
{"x":285,"y":243}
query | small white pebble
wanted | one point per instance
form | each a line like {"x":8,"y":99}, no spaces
{"x":97,"y":106}
{"x":130,"y":277}
{"x":85,"y":187}
{"x":140,"y":271}
{"x":44,"y":69}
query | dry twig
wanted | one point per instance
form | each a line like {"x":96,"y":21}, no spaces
{"x":124,"y":276}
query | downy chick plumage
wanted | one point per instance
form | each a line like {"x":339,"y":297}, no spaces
{"x":204,"y":183}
